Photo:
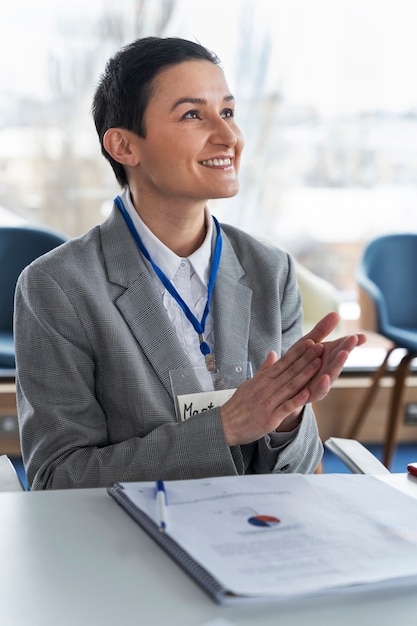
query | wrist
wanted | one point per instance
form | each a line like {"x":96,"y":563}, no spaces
{"x":291,"y":422}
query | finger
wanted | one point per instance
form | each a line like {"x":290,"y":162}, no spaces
{"x":271,"y":388}
{"x":320,"y":388}
{"x":289,"y":387}
{"x":269,"y":361}
{"x":337,"y":365}
{"x":332,"y":349}
{"x":320,"y":385}
{"x":333,"y":363}
{"x":361,"y":339}
{"x":297,"y":375}
{"x":306,"y":350}
{"x":291,"y":405}
{"x":350,"y":342}
{"x":324,"y":327}
{"x":347,"y":342}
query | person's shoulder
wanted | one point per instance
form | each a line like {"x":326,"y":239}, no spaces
{"x":76,"y":251}
{"x":255,"y":246}
{"x":75,"y":245}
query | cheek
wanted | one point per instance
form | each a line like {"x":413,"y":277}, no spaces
{"x":159,"y":159}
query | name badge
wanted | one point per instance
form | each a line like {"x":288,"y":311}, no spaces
{"x":197,"y":390}
{"x":193,"y":403}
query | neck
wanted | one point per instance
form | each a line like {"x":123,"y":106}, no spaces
{"x":181,"y":231}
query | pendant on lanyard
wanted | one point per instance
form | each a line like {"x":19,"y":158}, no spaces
{"x":198,"y":326}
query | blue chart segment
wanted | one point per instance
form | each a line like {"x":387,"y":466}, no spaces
{"x":264,"y":521}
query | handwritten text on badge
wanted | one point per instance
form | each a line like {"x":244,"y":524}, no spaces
{"x":194,"y":403}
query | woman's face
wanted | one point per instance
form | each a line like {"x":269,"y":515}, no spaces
{"x":191,"y":152}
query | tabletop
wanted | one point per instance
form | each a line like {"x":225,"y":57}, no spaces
{"x":75,"y":557}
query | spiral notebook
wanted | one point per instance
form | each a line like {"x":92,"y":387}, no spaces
{"x":271,"y":537}
{"x":185,"y":560}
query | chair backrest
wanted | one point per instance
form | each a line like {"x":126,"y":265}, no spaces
{"x":19,"y":246}
{"x":318,"y":295}
{"x":387,"y":273}
{"x":9,"y":479}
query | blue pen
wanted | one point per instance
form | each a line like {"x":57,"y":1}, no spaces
{"x":161,"y":505}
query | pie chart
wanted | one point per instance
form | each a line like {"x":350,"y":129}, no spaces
{"x":264,"y":520}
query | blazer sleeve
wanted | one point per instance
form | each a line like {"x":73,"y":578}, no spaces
{"x":303,"y":451}
{"x":65,"y":429}
{"x":303,"y":454}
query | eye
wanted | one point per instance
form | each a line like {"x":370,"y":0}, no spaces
{"x":227,"y":113}
{"x":191,"y":115}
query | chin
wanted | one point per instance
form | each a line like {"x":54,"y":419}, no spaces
{"x":226,"y":193}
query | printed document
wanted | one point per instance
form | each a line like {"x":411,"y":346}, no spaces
{"x":288,"y":534}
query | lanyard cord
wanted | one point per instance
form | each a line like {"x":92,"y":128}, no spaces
{"x":198,"y":326}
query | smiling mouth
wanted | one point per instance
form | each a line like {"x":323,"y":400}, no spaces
{"x":217,"y":162}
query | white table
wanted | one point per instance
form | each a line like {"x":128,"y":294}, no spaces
{"x":75,"y":558}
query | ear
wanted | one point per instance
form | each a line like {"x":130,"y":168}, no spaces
{"x":122,"y":146}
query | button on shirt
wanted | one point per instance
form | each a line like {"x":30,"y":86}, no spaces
{"x":189,"y":276}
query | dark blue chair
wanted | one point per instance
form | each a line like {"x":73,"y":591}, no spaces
{"x":19,"y":246}
{"x":387,"y":281}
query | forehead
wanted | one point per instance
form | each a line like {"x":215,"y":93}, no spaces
{"x":194,"y":79}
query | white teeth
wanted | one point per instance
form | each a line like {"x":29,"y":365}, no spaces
{"x":217,"y":162}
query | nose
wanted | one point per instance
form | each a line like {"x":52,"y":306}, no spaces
{"x":224,"y":133}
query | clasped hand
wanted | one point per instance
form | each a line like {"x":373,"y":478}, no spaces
{"x":273,"y":399}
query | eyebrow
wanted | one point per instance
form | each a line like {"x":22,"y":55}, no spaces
{"x":201,"y":101}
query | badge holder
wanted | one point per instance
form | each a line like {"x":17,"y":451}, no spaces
{"x":196,"y":389}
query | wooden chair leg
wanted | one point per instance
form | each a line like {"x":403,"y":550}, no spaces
{"x":368,"y":398}
{"x":395,"y":412}
{"x":319,"y":468}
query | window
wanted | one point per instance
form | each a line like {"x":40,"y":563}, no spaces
{"x":326,"y":98}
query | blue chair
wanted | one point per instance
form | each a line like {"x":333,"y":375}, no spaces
{"x":19,"y":246}
{"x":387,"y":281}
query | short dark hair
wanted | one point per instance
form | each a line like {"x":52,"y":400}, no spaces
{"x":125,"y":86}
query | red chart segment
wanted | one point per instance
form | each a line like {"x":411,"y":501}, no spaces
{"x":264,"y":520}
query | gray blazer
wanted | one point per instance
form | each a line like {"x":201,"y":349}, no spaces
{"x":94,"y":348}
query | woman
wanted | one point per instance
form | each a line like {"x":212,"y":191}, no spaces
{"x":107,"y":324}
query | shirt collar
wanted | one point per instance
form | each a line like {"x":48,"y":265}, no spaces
{"x":162,"y":256}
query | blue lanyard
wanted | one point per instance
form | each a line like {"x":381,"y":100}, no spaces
{"x":198,"y":326}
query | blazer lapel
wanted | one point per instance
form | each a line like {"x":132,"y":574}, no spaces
{"x":150,"y":324}
{"x":140,"y":304}
{"x":231,"y":308}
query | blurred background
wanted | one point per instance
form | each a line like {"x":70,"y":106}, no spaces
{"x":326,"y":97}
